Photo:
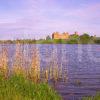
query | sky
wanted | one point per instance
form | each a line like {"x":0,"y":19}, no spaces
{"x":39,"y":18}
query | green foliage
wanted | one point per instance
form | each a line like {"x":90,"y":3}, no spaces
{"x":97,"y":40}
{"x":59,"y":41}
{"x":85,"y":38}
{"x":74,"y":37}
{"x":44,"y":41}
{"x":19,"y":88}
{"x":48,"y":38}
{"x":72,"y":41}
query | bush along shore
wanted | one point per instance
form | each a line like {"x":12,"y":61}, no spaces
{"x":25,"y":79}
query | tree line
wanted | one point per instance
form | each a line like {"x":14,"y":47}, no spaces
{"x":73,"y":39}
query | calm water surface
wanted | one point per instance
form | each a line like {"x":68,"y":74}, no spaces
{"x":82,"y":63}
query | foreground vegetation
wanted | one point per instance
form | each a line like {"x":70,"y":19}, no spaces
{"x":19,"y":88}
{"x":25,"y":80}
{"x":96,"y":97}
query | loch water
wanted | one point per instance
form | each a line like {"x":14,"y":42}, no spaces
{"x":82,"y":63}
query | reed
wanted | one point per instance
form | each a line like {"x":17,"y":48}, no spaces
{"x":29,"y":65}
{"x":54,"y":72}
{"x":60,"y":72}
{"x":34,"y":72}
{"x":96,"y":97}
{"x":55,"y":68}
{"x":46,"y":74}
{"x":4,"y":62}
{"x":18,"y":67}
{"x":25,"y":70}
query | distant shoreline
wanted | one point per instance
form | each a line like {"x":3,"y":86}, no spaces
{"x":27,"y":41}
{"x":73,"y":39}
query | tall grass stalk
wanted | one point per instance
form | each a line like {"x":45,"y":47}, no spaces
{"x":4,"y":62}
{"x":30,"y":68}
{"x":18,"y":67}
{"x":34,"y":72}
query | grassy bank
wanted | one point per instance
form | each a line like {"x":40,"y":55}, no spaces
{"x":26,"y":80}
{"x":19,"y":88}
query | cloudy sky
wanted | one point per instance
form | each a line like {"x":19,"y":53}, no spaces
{"x":38,"y":18}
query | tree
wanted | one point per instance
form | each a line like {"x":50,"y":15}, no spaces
{"x":48,"y":38}
{"x":97,"y":40}
{"x":85,"y":38}
{"x":74,"y":37}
